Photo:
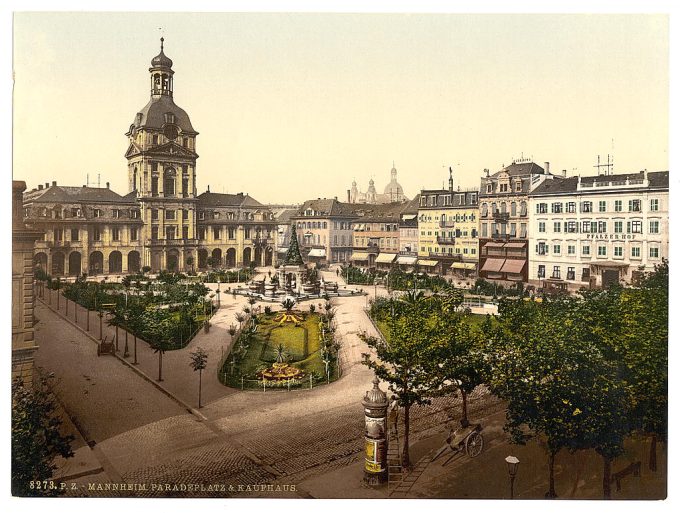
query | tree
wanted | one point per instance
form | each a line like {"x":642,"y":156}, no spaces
{"x":293,"y":256}
{"x":558,"y":383}
{"x":402,"y":363}
{"x":199,"y":361}
{"x":160,"y":332}
{"x":36,"y":436}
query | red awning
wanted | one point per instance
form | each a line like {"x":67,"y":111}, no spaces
{"x":493,"y":264}
{"x":513,"y":266}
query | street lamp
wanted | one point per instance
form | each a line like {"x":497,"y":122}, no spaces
{"x":513,"y":463}
{"x":126,"y":352}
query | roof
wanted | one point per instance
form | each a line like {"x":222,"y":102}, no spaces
{"x":412,"y":206}
{"x":284,"y":216}
{"x":68,"y":194}
{"x":153,"y":114}
{"x":657,"y":180}
{"x":214,"y":199}
{"x":521,"y":169}
{"x":380,"y":213}
{"x":323,"y":207}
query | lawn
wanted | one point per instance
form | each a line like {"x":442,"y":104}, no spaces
{"x":300,"y":342}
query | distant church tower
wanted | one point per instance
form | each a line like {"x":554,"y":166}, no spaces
{"x":161,"y":159}
{"x":393,"y":191}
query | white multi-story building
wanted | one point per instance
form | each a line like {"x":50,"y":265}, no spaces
{"x":593,"y":231}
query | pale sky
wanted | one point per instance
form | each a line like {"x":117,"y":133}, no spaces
{"x":296,"y":106}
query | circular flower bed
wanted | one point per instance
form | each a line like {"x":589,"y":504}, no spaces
{"x":280,"y":372}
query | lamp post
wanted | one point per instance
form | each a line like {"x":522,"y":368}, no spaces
{"x":513,"y":463}
{"x":126,"y":352}
{"x":218,"y":292}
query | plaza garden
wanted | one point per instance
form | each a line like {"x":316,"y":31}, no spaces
{"x":166,"y":311}
{"x":288,"y":349}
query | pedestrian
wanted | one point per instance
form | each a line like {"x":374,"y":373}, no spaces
{"x":393,"y":416}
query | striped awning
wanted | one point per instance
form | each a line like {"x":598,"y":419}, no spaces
{"x":427,"y":263}
{"x":406,"y":260}
{"x":385,"y":258}
{"x":359,"y":255}
{"x":494,"y":244}
{"x":317,"y":252}
{"x":463,"y":265}
{"x":513,"y":266}
{"x":493,"y":264}
{"x":515,"y":245}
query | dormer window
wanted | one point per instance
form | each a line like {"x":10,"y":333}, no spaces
{"x":489,"y":188}
{"x":216,"y":215}
{"x":201,"y":216}
{"x":518,"y":186}
{"x":96,"y":213}
{"x":169,"y":117}
{"x":504,"y":187}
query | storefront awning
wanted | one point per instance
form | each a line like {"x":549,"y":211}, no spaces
{"x":609,"y":263}
{"x":513,"y":266}
{"x":359,"y":255}
{"x":515,"y":245}
{"x":493,"y":264}
{"x":407,"y":260}
{"x":427,"y":263}
{"x":385,"y":258}
{"x":463,"y":265}
{"x":317,"y":252}
{"x":494,"y":244}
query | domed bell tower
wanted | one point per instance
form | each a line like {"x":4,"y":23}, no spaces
{"x":161,"y":159}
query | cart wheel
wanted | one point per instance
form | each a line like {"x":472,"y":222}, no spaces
{"x":474,"y":444}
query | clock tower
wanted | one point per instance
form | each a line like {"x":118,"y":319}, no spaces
{"x":161,"y":159}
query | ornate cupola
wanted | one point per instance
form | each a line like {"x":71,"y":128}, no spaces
{"x":161,"y":74}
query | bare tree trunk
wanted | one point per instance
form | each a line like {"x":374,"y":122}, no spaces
{"x":607,"y":477}
{"x":551,"y":464}
{"x":464,"y":418}
{"x":652,"y":453}
{"x":405,"y":460}
{"x":199,"y":386}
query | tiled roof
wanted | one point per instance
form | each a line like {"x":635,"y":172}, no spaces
{"x":522,"y":169}
{"x":378,"y":213}
{"x":285,"y":215}
{"x":657,"y":180}
{"x":329,"y":207}
{"x":214,"y":199}
{"x":66,"y":194}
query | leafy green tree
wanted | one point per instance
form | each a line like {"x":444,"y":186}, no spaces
{"x":159,"y":330}
{"x":36,"y":436}
{"x":199,"y":361}
{"x":403,"y":363}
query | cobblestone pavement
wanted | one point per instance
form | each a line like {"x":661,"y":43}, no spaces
{"x":276,"y":437}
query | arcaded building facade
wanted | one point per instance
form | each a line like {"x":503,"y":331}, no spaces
{"x":161,"y":222}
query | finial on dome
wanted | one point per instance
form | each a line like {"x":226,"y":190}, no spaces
{"x":162,"y":39}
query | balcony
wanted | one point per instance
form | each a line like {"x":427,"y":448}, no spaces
{"x":447,"y":224}
{"x":446,"y":240}
{"x":501,"y":217}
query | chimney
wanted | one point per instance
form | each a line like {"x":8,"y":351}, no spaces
{"x":209,"y":189}
{"x":564,"y":173}
{"x":54,"y":183}
{"x":107,"y":185}
{"x":84,"y":186}
{"x":486,"y":171}
{"x":348,"y":196}
{"x":47,"y":185}
{"x":547,"y":168}
{"x":336,"y":198}
{"x":40,"y":187}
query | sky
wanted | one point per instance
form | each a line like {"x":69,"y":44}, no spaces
{"x":296,"y":106}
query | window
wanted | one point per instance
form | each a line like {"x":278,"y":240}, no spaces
{"x":96,"y":213}
{"x":115,"y":234}
{"x":618,"y":206}
{"x":170,"y":214}
{"x":618,"y":226}
{"x":557,"y":249}
{"x":485,"y":210}
{"x":58,"y":234}
{"x":571,"y":207}
{"x":634,"y":205}
{"x":523,"y":230}
{"x":513,"y":209}
{"x":134,"y":214}
{"x":654,"y":227}
{"x":541,"y":227}
{"x":602,"y":251}
{"x":522,"y":209}
{"x":518,"y":186}
{"x":116,"y":213}
{"x":170,"y":232}
{"x":504,"y":187}
{"x":489,"y":187}
{"x":154,"y":233}
{"x":541,"y":271}
{"x":541,"y":208}
{"x":513,"y":229}
{"x":585,"y":274}
{"x":75,"y":234}
{"x":585,"y":250}
{"x":653,"y":252}
{"x":571,"y":227}
{"x":201,"y":216}
{"x":618,"y":251}
{"x":556,"y":208}
{"x":634,"y":226}
{"x":557,"y":226}
{"x":601,"y":226}
{"x":542,"y":248}
{"x":154,"y":186}
{"x":216,"y":215}
{"x":556,"y":272}
{"x":75,"y":212}
{"x":216,"y":233}
{"x":133,"y":234}
{"x":585,"y":227}
{"x":586,"y":206}
{"x":154,"y":140}
{"x":602,"y":206}
{"x":654,"y":205}
{"x":246,"y":233}
{"x":231,"y":232}
{"x":571,"y":249}
{"x":201,"y":234}
{"x":154,"y":214}
{"x":571,"y":273}
{"x":635,"y":252}
{"x":484,"y":230}
{"x":185,"y":232}
{"x":96,"y":235}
